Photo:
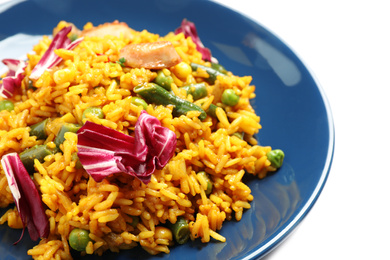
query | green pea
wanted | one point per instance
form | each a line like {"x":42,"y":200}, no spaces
{"x":276,"y":158}
{"x":197,"y":90}
{"x":139,"y":102}
{"x":73,"y":37}
{"x":78,"y":239}
{"x":6,"y":105}
{"x":163,"y":80}
{"x":180,"y":230}
{"x":96,"y":111}
{"x":229,"y":97}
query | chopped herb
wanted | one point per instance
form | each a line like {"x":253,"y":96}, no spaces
{"x":121,"y":62}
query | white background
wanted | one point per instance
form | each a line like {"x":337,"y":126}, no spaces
{"x":346,"y":44}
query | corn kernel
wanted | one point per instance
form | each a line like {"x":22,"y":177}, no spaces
{"x":182,"y":70}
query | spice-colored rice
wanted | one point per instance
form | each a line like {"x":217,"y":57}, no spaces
{"x":72,"y":199}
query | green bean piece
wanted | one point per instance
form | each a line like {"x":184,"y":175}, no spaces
{"x":163,"y":80}
{"x":96,"y":111}
{"x":219,"y":67}
{"x":153,"y":93}
{"x":238,"y":135}
{"x":60,"y":138}
{"x":208,"y":181}
{"x":75,"y":157}
{"x":180,"y":230}
{"x":229,"y":97}
{"x":135,"y":221}
{"x":39,"y":130}
{"x":197,"y":90}
{"x":213,"y":73}
{"x":6,"y":105}
{"x":28,"y":156}
{"x":79,"y":238}
{"x":211,"y":111}
{"x":139,"y":102}
{"x":276,"y":157}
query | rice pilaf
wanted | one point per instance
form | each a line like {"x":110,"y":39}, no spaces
{"x":121,"y":212}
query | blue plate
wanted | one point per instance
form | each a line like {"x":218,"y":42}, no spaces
{"x":295,"y":114}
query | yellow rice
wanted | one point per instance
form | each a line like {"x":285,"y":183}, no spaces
{"x":72,"y":199}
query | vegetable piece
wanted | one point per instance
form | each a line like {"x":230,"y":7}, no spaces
{"x":6,"y":105}
{"x":27,"y":199}
{"x":211,"y":110}
{"x":135,"y":221}
{"x":276,"y":158}
{"x":218,"y":67}
{"x":197,"y":90}
{"x":60,"y":138}
{"x":14,"y":77}
{"x":189,"y":30}
{"x":182,"y":70}
{"x":180,"y":230}
{"x":103,"y":151}
{"x":204,"y":175}
{"x":28,"y":156}
{"x":121,"y":62}
{"x":96,"y":111}
{"x":153,"y":93}
{"x":76,"y":158}
{"x":78,"y":239}
{"x":72,"y":37}
{"x":239,"y":135}
{"x":229,"y":97}
{"x":49,"y":58}
{"x":150,"y":55}
{"x":39,"y":130}
{"x":139,"y":102}
{"x":213,"y":73}
{"x":163,"y":233}
{"x":163,"y":80}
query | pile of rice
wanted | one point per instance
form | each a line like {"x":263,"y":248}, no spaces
{"x":72,"y":199}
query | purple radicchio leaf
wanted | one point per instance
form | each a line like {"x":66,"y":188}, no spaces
{"x":103,"y":151}
{"x":49,"y":58}
{"x":189,"y":30}
{"x":27,"y":199}
{"x":14,"y":77}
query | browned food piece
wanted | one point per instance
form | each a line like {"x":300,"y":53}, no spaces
{"x":151,"y":55}
{"x":115,"y":29}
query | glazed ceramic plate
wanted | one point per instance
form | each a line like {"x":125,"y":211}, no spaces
{"x":294,"y":112}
